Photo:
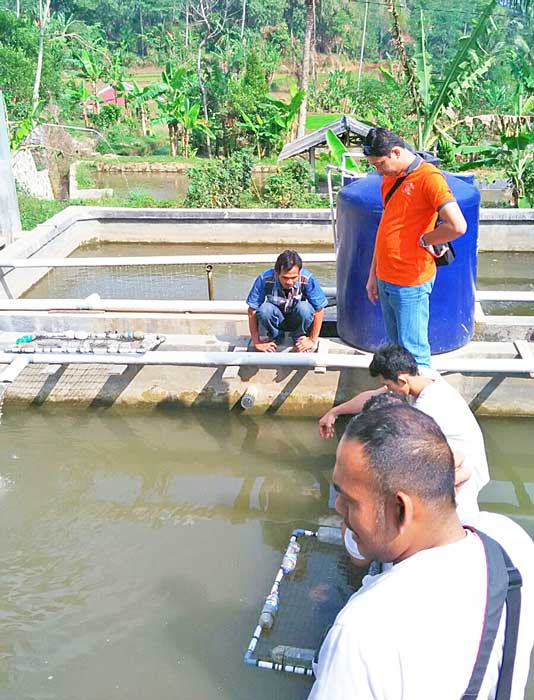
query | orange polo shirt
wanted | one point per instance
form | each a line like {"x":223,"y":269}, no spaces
{"x":411,"y":212}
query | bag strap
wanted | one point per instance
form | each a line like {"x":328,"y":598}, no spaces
{"x":513,"y":611}
{"x":503,"y":586}
{"x":398,"y":182}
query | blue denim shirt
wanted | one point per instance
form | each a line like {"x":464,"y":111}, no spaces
{"x":310,"y":290}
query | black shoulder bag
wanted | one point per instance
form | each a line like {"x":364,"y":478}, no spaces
{"x":504,"y":588}
{"x":443,"y":252}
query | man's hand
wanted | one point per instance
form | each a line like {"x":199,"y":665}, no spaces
{"x":305,"y":344}
{"x":372,"y":288}
{"x":265,"y":345}
{"x":326,"y":425}
{"x":461,"y":473}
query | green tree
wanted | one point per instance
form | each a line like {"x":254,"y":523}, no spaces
{"x":19,"y":56}
{"x":179,"y":110}
{"x":90,"y":66}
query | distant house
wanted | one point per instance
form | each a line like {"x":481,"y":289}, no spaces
{"x":108,"y":94}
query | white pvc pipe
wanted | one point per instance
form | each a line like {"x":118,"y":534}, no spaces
{"x":15,"y":368}
{"x":504,"y":295}
{"x":94,"y":303}
{"x":267,"y":360}
{"x":264,"y":258}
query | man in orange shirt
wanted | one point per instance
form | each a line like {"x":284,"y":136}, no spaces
{"x":403,"y":268}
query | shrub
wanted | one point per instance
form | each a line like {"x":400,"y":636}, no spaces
{"x":290,"y":186}
{"x":121,"y":141}
{"x":109,"y":115}
{"x":528,"y":179}
{"x":33,"y":211}
{"x":84,"y":175}
{"x":220,"y":183}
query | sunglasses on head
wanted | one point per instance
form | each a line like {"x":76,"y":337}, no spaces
{"x":367,"y":148}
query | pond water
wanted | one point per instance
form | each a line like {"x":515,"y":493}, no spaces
{"x":174,"y":185}
{"x":138,"y":548}
{"x":495,"y":271}
{"x":158,"y":185}
{"x":162,"y":282}
{"x":511,"y":271}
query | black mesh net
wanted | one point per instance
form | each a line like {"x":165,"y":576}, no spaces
{"x":310,"y":597}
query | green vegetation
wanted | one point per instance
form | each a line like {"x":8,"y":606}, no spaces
{"x":221,"y":183}
{"x":34,"y":211}
{"x":203,"y":82}
{"x":85,"y":175}
{"x":291,"y":187}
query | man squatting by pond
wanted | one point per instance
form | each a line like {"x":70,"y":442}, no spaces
{"x":413,"y":632}
{"x":403,"y":267}
{"x":286,"y":298}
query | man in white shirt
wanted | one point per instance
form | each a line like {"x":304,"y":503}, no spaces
{"x":413,"y":632}
{"x":398,"y":372}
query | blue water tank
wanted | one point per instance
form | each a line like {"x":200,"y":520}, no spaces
{"x":452,"y":302}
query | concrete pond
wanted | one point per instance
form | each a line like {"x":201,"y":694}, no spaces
{"x":119,"y":516}
{"x":39,"y":300}
{"x":118,"y":520}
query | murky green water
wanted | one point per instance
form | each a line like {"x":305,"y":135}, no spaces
{"x":172,"y":186}
{"x":513,"y":271}
{"x":137,"y":548}
{"x":158,"y":185}
{"x":163,"y":281}
{"x":495,"y":271}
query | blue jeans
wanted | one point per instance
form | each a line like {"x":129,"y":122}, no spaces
{"x":298,"y":322}
{"x":406,"y":313}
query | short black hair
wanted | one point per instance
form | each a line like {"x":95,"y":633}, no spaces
{"x":391,"y":360}
{"x":286,"y":260}
{"x":381,"y":400}
{"x":406,"y":450}
{"x":380,"y":141}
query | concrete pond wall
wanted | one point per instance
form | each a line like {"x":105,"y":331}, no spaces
{"x":303,"y":392}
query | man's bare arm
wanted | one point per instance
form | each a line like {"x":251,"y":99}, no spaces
{"x":352,"y":406}
{"x":453,"y":225}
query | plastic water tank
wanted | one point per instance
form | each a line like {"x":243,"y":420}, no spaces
{"x":452,"y":302}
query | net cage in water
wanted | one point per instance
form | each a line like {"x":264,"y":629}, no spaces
{"x":313,"y":583}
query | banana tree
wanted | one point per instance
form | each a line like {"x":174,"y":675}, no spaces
{"x":513,"y":154}
{"x":257,"y":126}
{"x":286,"y":113}
{"x":78,"y":94}
{"x":175,"y":85}
{"x":139,"y":98}
{"x":116,"y":74}
{"x":469,"y":65}
{"x":191,"y":123}
{"x":89,"y":67}
{"x":178,"y":111}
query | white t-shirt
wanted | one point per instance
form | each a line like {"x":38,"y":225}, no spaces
{"x":448,"y":408}
{"x":412,"y":632}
